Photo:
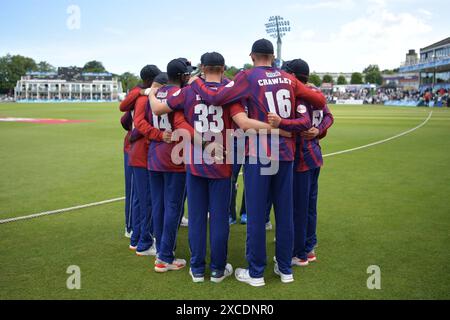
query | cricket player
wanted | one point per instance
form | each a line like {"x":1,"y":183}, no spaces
{"x":142,"y":239}
{"x":266,"y":89}
{"x":131,"y":201}
{"x":308,"y":163}
{"x":127,"y":106}
{"x":168,"y":180}
{"x":208,"y":181}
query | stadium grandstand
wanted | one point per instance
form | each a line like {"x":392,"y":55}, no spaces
{"x":67,"y":85}
{"x":433,"y":66}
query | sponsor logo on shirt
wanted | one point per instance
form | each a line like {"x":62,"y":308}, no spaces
{"x":273,"y":74}
{"x":162,"y":95}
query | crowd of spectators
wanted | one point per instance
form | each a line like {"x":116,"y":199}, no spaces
{"x":429,"y":97}
{"x":6,"y":98}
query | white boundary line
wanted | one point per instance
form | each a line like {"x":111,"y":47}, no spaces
{"x":38,"y":215}
{"x":382,"y":141}
{"x":90,"y":205}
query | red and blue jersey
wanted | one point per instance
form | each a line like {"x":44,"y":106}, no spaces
{"x":160,"y":153}
{"x":128,"y":106}
{"x":208,"y":121}
{"x":139,"y":148}
{"x":264,"y":90}
{"x":308,"y":154}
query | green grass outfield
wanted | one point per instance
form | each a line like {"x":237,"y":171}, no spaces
{"x":387,"y":205}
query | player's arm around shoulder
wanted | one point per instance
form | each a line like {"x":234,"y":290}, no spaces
{"x":240,"y":117}
{"x":129,"y":102}
{"x":141,"y":123}
{"x":165,"y":106}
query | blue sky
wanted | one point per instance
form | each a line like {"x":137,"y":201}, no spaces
{"x":333,"y":36}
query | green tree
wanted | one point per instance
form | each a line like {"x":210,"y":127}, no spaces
{"x":129,"y":81}
{"x":327,"y":79}
{"x":341,"y":80}
{"x":373,"y":74}
{"x":315,"y":79}
{"x":357,"y":78}
{"x":387,"y":71}
{"x":44,"y":66}
{"x":248,"y":66}
{"x":231,"y":72}
{"x":12,"y":68}
{"x":94,"y":66}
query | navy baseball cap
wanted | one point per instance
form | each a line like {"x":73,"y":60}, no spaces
{"x":149,"y":72}
{"x":263,"y":46}
{"x":191,"y":68}
{"x":162,"y":78}
{"x":212,"y":59}
{"x":297,"y":66}
{"x":178,"y":67}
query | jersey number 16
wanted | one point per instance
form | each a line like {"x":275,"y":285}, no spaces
{"x":283,"y":97}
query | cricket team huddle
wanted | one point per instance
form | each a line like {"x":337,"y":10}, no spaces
{"x":267,"y":100}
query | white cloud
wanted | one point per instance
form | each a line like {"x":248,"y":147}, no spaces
{"x":378,"y":36}
{"x":307,"y":34}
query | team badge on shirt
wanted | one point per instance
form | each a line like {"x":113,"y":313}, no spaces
{"x":230,"y":85}
{"x":302,"y":109}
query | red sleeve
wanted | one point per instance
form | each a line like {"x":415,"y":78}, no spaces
{"x":236,"y":108}
{"x":145,"y":128}
{"x":313,"y":96}
{"x":327,"y":122}
{"x":179,"y":122}
{"x":238,"y":89}
{"x":130,"y":100}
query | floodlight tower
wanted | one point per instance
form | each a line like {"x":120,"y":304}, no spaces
{"x":277,"y":28}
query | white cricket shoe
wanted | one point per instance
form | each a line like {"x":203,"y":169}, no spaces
{"x":132,"y":248}
{"x":128,"y":234}
{"x":162,"y":267}
{"x":299,"y":262}
{"x":243,"y":275}
{"x":269,"y":226}
{"x":148,"y":253}
{"x":184,"y":222}
{"x":218,"y":277}
{"x":197,"y":278}
{"x":285,"y":278}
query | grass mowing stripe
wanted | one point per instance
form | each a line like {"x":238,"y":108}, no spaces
{"x":59,"y":211}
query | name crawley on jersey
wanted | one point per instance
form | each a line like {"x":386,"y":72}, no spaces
{"x":271,"y":82}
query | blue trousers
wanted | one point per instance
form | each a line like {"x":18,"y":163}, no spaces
{"x":141,"y":220}
{"x":258,"y":189}
{"x":234,"y":191}
{"x":306,"y":188}
{"x":213,"y":196}
{"x":167,"y":190}
{"x":131,"y":200}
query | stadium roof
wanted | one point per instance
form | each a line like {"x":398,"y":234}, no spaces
{"x":437,"y":44}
